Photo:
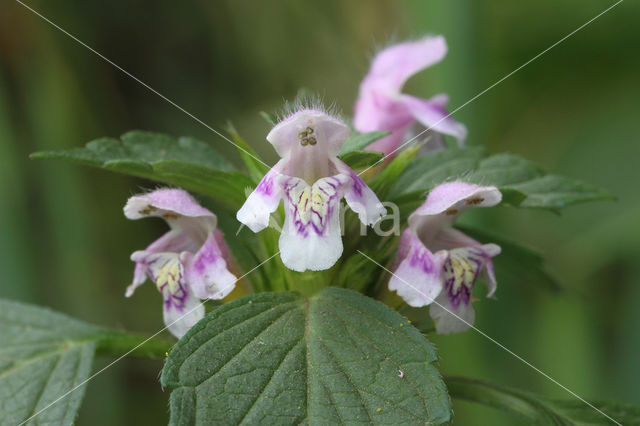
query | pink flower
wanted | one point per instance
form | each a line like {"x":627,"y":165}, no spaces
{"x":382,"y":106}
{"x":437,"y":262}
{"x":188,"y":263}
{"x":311,"y":180}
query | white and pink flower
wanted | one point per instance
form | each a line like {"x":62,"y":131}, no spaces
{"x":188,"y":263}
{"x":436,"y":262}
{"x":382,"y":106}
{"x":311,"y":180}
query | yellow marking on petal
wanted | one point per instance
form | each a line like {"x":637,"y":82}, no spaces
{"x":319,"y":200}
{"x":312,"y":198}
{"x":303,"y":205}
{"x":451,"y":211}
{"x":462,"y":270}
{"x":169,"y":274}
{"x":169,"y":216}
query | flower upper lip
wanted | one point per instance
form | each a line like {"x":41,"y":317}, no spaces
{"x":311,"y":180}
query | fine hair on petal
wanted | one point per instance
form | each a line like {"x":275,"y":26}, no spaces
{"x":308,"y":101}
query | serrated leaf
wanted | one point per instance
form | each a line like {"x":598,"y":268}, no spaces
{"x":335,"y":357}
{"x":43,"y":356}
{"x":522,"y":183}
{"x":541,"y":410}
{"x":557,"y":192}
{"x":540,"y":190}
{"x":183,"y":162}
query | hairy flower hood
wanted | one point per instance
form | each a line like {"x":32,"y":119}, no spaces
{"x":311,"y":181}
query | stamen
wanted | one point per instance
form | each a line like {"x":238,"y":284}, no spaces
{"x":147,"y":210}
{"x":473,"y":201}
{"x":304,"y":137}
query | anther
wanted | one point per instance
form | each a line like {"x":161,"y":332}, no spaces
{"x":473,"y":201}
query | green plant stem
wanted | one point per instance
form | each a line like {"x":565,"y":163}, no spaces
{"x":134,"y":345}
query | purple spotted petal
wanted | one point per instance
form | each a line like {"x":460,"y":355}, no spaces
{"x":180,"y":314}
{"x":311,"y":238}
{"x":263,"y":201}
{"x":418,"y":278}
{"x":360,"y":198}
{"x":207,"y":271}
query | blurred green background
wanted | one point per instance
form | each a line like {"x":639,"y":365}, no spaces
{"x":66,"y":244}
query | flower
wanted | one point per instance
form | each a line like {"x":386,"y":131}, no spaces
{"x":311,"y":180}
{"x":188,"y":263}
{"x":437,"y":262}
{"x":381,"y":105}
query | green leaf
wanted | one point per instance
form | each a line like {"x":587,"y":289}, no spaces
{"x":514,"y":174}
{"x":429,"y":170}
{"x":183,"y":162}
{"x":335,"y":357}
{"x":44,"y":356}
{"x":385,"y":179}
{"x":353,"y":153}
{"x":522,"y":183}
{"x":541,"y":410}
{"x":359,"y":141}
{"x":362,"y":159}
